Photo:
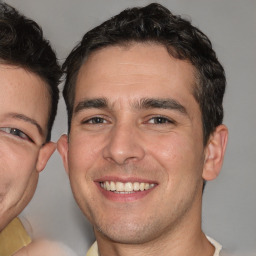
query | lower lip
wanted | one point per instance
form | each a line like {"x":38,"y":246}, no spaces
{"x":124,"y":197}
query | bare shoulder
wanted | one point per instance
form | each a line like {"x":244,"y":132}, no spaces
{"x":45,"y":247}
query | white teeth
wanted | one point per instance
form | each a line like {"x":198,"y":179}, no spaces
{"x":112,"y":186}
{"x":136,"y":186}
{"x":108,"y":186}
{"x":119,"y":186}
{"x":128,"y":187}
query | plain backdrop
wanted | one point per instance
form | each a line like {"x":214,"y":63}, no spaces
{"x":229,"y":205}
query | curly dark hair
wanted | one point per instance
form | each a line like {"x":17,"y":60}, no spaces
{"x":22,"y":44}
{"x":155,"y":23}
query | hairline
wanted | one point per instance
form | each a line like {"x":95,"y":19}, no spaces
{"x":196,"y":90}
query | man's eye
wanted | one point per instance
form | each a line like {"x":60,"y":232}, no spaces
{"x":95,"y":120}
{"x":15,"y":132}
{"x":160,"y":120}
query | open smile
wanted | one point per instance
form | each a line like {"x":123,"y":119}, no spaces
{"x":127,"y":187}
{"x":124,"y":189}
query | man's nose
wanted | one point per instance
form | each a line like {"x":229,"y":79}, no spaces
{"x":124,"y":145}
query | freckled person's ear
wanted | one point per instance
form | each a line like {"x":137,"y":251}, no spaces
{"x":44,"y":154}
{"x":214,"y":152}
{"x":62,"y":147}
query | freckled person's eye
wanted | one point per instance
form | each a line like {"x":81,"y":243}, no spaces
{"x":15,"y":132}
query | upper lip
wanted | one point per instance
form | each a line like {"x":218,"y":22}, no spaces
{"x":125,"y":179}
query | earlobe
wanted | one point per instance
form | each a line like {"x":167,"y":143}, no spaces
{"x":62,"y":147}
{"x":45,"y":153}
{"x":214,"y":153}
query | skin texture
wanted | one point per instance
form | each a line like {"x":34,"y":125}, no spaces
{"x":24,"y":105}
{"x":127,"y":140}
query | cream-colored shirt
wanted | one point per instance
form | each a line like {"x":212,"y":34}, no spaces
{"x":93,"y":251}
{"x":217,"y":246}
{"x":13,"y":238}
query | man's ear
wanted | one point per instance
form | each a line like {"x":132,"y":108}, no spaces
{"x":214,"y":152}
{"x":62,"y":147}
{"x":44,"y":154}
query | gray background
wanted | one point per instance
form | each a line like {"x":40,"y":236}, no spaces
{"x":229,"y":207}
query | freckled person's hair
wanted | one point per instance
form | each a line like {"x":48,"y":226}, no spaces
{"x":22,"y":44}
{"x":156,"y":24}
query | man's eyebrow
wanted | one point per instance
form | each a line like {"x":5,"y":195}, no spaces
{"x":145,"y":103}
{"x":166,"y":103}
{"x":91,"y":103}
{"x":29,"y":120}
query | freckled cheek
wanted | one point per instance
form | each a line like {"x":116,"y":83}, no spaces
{"x":17,"y":168}
{"x":18,"y":156}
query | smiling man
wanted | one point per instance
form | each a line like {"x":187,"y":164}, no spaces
{"x":144,"y":97}
{"x":29,"y":77}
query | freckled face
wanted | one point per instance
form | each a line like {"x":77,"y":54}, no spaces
{"x":24,"y":110}
{"x":136,"y":123}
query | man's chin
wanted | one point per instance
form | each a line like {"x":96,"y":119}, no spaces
{"x":125,"y":234}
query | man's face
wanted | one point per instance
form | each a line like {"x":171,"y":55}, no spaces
{"x":135,"y":154}
{"x":24,"y":110}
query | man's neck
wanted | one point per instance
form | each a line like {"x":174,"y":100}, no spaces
{"x":196,"y":245}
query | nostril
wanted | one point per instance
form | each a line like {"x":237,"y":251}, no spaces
{"x":123,"y":154}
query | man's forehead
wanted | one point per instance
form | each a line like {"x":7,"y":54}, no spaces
{"x":25,"y":97}
{"x":132,"y":72}
{"x":132,"y":54}
{"x":122,"y":62}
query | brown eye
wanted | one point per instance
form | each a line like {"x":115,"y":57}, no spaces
{"x":95,"y":120}
{"x":15,"y":132}
{"x":159,"y":120}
